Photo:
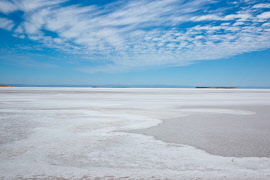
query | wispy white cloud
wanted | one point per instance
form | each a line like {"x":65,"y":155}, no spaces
{"x":239,"y":17}
{"x":7,"y":7}
{"x":142,"y":34}
{"x":206,"y":18}
{"x":265,"y":15}
{"x":262,"y":5}
{"x":211,"y":17}
{"x":6,"y":24}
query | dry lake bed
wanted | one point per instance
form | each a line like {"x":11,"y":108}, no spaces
{"x":132,"y":134}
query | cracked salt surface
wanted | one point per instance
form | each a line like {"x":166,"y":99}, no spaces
{"x":81,"y":133}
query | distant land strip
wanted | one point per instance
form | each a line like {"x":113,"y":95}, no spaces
{"x":107,"y":87}
{"x":130,"y":86}
{"x":218,"y":87}
{"x":6,"y":86}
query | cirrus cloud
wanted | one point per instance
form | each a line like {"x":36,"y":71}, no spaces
{"x":128,"y":35}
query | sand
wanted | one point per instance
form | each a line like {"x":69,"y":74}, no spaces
{"x":96,"y":133}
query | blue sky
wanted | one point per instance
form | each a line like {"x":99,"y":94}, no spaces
{"x":147,"y":42}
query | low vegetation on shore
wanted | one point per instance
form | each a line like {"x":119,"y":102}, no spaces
{"x":6,"y":86}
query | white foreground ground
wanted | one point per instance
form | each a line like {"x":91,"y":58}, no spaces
{"x":91,"y":133}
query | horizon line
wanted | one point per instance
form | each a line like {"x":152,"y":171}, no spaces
{"x":134,"y":86}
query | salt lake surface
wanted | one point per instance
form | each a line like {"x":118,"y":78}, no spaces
{"x":90,"y":133}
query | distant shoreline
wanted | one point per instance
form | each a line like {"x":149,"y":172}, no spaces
{"x":107,"y":87}
{"x":6,"y":86}
{"x":133,"y":86}
{"x":217,"y":87}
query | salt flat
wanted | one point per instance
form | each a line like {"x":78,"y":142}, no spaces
{"x":219,"y":130}
{"x":85,"y":133}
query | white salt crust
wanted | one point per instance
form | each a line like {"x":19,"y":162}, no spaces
{"x":79,"y":133}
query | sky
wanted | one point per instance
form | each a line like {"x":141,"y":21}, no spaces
{"x":135,"y":42}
